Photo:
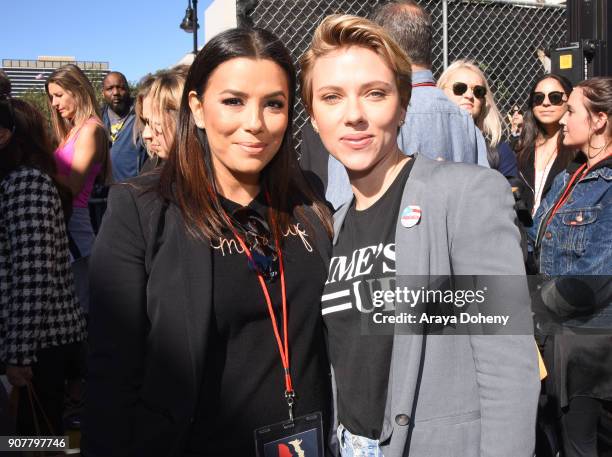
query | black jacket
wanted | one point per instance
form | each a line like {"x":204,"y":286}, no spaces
{"x":146,"y":357}
{"x":527,"y":176}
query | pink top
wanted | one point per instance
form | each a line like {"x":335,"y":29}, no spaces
{"x":63,"y":158}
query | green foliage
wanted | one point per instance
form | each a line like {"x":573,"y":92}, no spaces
{"x":38,"y":98}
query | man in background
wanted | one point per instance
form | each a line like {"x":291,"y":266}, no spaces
{"x":434,"y":125}
{"x":127,"y":151}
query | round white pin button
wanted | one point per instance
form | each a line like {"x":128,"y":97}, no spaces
{"x":411,"y":215}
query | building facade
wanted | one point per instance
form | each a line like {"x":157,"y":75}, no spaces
{"x":27,"y":75}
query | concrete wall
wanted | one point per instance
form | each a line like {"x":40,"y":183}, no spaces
{"x":219,"y":16}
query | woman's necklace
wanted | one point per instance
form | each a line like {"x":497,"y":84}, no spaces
{"x":543,"y":146}
{"x":601,"y":150}
{"x":540,"y":185}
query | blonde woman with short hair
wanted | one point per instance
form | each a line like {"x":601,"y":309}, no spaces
{"x":465,"y":84}
{"x":426,"y":390}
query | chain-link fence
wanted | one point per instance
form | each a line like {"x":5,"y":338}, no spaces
{"x":503,"y":36}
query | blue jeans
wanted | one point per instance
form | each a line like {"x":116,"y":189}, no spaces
{"x":357,"y":446}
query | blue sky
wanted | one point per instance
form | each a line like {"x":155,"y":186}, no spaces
{"x":135,"y":36}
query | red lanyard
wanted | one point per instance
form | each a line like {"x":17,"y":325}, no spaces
{"x":283,"y":349}
{"x":576,"y":177}
{"x":423,"y":85}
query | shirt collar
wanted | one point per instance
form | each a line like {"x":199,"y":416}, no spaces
{"x":258,"y":204}
{"x":423,"y":76}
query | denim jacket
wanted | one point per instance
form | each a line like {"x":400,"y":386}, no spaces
{"x":578,"y":240}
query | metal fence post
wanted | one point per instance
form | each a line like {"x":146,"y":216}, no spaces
{"x":445,"y":33}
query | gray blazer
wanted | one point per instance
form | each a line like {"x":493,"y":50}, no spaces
{"x":478,"y":394}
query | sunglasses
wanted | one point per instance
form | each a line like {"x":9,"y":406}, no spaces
{"x":257,"y":236}
{"x":461,"y":88}
{"x":7,"y":113}
{"x":555,"y":98}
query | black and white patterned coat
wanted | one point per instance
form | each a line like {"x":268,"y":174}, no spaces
{"x":38,"y":305}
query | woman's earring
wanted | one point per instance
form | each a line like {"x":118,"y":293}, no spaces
{"x":401,"y":122}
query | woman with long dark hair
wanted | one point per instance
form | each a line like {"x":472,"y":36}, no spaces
{"x":573,"y":236}
{"x":541,"y":154}
{"x":207,"y":275}
{"x":41,"y":326}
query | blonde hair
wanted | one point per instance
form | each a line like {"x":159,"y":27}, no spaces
{"x":341,"y":31}
{"x":165,"y":89}
{"x":144,"y":86}
{"x":489,"y":120}
{"x":72,"y":79}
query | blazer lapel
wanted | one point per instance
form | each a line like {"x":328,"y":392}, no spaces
{"x":412,"y":272}
{"x":339,"y":217}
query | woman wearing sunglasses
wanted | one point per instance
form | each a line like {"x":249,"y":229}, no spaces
{"x":573,"y":233}
{"x":540,"y":151}
{"x":208,"y":273}
{"x":41,"y":325}
{"x":411,"y":220}
{"x":466,"y":85}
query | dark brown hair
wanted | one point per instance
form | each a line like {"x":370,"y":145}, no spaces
{"x":598,"y":94}
{"x":188,"y":178}
{"x":30,"y":146}
{"x":532,"y":127}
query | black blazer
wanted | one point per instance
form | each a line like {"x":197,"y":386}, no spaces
{"x":147,"y":358}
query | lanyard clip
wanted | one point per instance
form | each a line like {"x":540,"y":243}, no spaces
{"x":290,"y":397}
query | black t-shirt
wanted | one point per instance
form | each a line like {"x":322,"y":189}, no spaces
{"x":360,"y":350}
{"x":243,"y":386}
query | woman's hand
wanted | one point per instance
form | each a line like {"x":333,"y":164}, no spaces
{"x":19,"y":376}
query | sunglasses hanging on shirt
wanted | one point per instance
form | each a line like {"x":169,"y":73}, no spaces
{"x":478,"y":91}
{"x":555,"y":98}
{"x":258,"y":237}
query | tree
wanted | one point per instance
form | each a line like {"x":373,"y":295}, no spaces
{"x":38,"y":98}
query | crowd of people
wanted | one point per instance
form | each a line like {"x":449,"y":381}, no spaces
{"x":225,"y":304}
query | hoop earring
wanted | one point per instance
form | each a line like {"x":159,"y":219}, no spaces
{"x":599,"y":149}
{"x":591,"y":137}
